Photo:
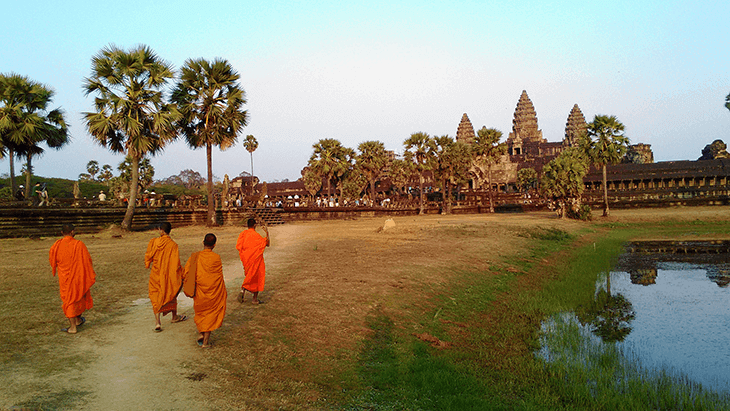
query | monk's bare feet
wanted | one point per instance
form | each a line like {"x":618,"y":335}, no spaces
{"x":158,"y":328}
{"x":69,"y":330}
{"x":241,"y":297}
{"x":179,"y":318}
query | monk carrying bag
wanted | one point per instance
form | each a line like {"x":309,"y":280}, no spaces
{"x":189,"y":280}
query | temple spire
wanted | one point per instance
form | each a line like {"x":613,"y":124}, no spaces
{"x":524,"y":128}
{"x":575,"y":127}
{"x":465,"y":131}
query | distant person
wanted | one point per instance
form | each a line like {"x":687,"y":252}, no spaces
{"x":102,"y":196}
{"x":209,"y":301}
{"x":250,"y":246}
{"x":70,"y":259}
{"x":19,"y":194}
{"x":42,"y":192}
{"x":163,"y":257}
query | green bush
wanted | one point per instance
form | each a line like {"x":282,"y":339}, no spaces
{"x":583,"y":213}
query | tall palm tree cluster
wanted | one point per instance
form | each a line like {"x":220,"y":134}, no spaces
{"x":132,"y":113}
{"x":27,"y":123}
{"x":133,"y":116}
{"x":450,"y":163}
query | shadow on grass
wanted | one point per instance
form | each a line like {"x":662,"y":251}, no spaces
{"x":400,"y":375}
{"x":63,"y":400}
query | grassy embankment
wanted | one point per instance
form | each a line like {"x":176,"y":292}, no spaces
{"x":495,"y":329}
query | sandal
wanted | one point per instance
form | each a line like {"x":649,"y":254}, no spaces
{"x":180,"y":318}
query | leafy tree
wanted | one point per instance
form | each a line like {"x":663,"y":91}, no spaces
{"x":92,"y":167}
{"x":727,"y":102}
{"x":371,"y":161}
{"x":85,"y":177}
{"x":605,"y":144}
{"x":251,"y":145}
{"x":145,"y":175}
{"x":527,"y":179}
{"x":399,"y":172}
{"x":312,"y":181}
{"x":420,"y":152}
{"x":211,"y":102}
{"x":106,"y":173}
{"x":189,"y":179}
{"x":487,"y":151}
{"x":453,"y":160}
{"x":353,"y":183}
{"x":26,"y":121}
{"x":130,"y":114}
{"x":330,"y":160}
{"x":562,"y":178}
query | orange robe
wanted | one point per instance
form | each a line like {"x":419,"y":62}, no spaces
{"x":209,"y":302}
{"x":250,"y":246}
{"x":70,"y":259}
{"x":166,"y":273}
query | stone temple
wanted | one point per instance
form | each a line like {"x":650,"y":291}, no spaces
{"x":527,"y":148}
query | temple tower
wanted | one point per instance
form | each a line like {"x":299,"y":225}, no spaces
{"x":525,"y":138}
{"x":465,"y":132}
{"x":574,"y":127}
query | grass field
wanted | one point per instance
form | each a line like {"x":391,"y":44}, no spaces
{"x":441,"y":312}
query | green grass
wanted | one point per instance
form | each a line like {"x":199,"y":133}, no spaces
{"x":494,"y":319}
{"x":601,"y":376}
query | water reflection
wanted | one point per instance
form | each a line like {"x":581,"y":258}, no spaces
{"x":608,"y":316}
{"x":682,"y":315}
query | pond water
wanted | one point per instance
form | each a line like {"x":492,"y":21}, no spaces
{"x":682,"y":318}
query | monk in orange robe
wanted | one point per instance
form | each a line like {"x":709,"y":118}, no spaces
{"x":70,"y":259}
{"x":250,"y":246}
{"x":165,"y":276}
{"x":209,"y":301}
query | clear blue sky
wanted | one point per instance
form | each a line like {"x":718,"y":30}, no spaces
{"x":359,"y":71}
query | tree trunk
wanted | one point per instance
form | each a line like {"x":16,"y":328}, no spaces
{"x":489,"y":181}
{"x":28,"y":174}
{"x":447,"y":197}
{"x":372,"y":192}
{"x":211,"y":201}
{"x":132,"y":201}
{"x":420,"y":193}
{"x":605,"y":193}
{"x":251,"y":172}
{"x":13,"y":186}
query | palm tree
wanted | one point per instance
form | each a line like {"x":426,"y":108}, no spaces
{"x":562,"y":178}
{"x":605,"y":144}
{"x":371,"y":161}
{"x":211,"y":103}
{"x":452,"y":163}
{"x":26,"y":122}
{"x":251,"y":145}
{"x":329,"y":160}
{"x":131,"y":115}
{"x":487,"y":150}
{"x":420,"y":149}
{"x":399,"y":174}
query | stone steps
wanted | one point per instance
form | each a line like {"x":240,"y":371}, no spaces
{"x":269,"y":215}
